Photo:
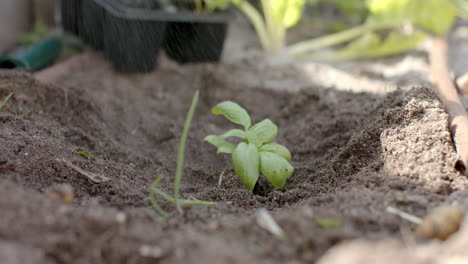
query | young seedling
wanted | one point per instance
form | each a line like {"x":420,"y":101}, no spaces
{"x":257,"y":153}
{"x":179,"y":170}
{"x":4,"y":101}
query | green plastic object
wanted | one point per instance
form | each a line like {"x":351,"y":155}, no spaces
{"x":34,"y":57}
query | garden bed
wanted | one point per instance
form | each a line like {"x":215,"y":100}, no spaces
{"x":354,"y":154}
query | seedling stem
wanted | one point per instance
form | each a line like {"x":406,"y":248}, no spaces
{"x":179,"y":171}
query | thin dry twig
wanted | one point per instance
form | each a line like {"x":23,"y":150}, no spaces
{"x":91,"y":176}
{"x":458,"y":117}
{"x":220,"y":180}
{"x":408,"y":217}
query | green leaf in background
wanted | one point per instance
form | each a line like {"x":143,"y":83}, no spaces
{"x":234,"y":112}
{"x":287,"y":12}
{"x":245,"y":159}
{"x":234,"y":133}
{"x":351,"y":7}
{"x":436,"y":16}
{"x":278,"y":149}
{"x":277,"y":169}
{"x":462,"y":8}
{"x":39,"y":32}
{"x":264,"y":131}
{"x":396,"y":43}
{"x":213,"y":5}
{"x":371,"y":46}
{"x":327,"y":223}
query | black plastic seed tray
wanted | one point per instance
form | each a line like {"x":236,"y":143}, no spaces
{"x":132,"y":37}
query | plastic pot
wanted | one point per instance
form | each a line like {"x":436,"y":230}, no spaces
{"x":33,"y":58}
{"x":132,"y":37}
{"x":71,"y":15}
{"x":195,"y":41}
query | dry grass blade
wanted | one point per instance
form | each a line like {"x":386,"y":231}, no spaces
{"x":458,"y":117}
{"x":91,"y":176}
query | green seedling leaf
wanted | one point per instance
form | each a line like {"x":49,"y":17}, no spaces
{"x":235,"y":133}
{"x":257,"y":153}
{"x":278,"y":149}
{"x":84,"y":154}
{"x":263,"y":132}
{"x":220,"y":143}
{"x":5,"y":101}
{"x":277,"y":169}
{"x":245,"y":159}
{"x":328,"y":223}
{"x":436,"y":16}
{"x":216,"y":141}
{"x":234,"y":112}
{"x":227,"y":148}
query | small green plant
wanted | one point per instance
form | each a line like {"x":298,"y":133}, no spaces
{"x":178,"y":203}
{"x":83,"y":154}
{"x":328,"y":223}
{"x":4,"y":101}
{"x":257,"y":153}
{"x":39,"y":32}
{"x":385,"y":31}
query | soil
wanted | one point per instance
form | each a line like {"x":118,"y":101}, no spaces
{"x":355,"y":154}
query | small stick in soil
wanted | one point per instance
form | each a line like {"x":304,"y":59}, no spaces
{"x":91,"y":176}
{"x":220,"y":181}
{"x":458,"y":117}
{"x":411,"y":218}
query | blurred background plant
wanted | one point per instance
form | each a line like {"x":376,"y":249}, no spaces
{"x":339,"y":29}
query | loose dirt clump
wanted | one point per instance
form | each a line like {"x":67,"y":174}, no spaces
{"x":354,"y":154}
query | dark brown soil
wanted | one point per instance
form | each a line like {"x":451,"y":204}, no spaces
{"x":354,"y":154}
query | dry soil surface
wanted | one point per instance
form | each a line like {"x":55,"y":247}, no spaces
{"x":355,"y":154}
